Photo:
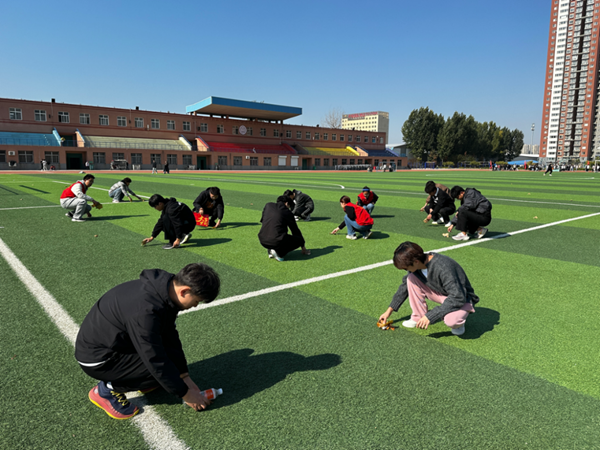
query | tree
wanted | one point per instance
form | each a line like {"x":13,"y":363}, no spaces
{"x":458,"y":137}
{"x":485,"y":138}
{"x":420,"y":132}
{"x":514,"y":144}
{"x":333,"y":118}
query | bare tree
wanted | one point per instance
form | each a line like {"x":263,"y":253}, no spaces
{"x":333,"y":118}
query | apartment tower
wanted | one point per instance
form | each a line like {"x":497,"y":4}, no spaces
{"x":570,"y":113}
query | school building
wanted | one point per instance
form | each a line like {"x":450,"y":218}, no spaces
{"x":216,"y":133}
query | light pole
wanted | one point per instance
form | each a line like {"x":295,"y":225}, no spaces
{"x":532,"y":130}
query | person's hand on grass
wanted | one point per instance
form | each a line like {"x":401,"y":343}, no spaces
{"x":145,"y":241}
{"x":218,"y":223}
{"x":423,"y":322}
{"x":386,"y":315}
{"x":450,"y":228}
{"x":194,"y":398}
{"x":130,"y":199}
{"x":177,"y":242}
{"x":335,"y":230}
{"x":305,"y":251}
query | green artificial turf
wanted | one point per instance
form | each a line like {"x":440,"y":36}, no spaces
{"x":307,"y":367}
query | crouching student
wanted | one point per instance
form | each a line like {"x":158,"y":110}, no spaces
{"x":210,"y":202}
{"x":435,"y":277}
{"x":273,"y":235}
{"x":474,"y":213}
{"x":75,"y":200}
{"x":439,"y":204}
{"x":176,"y":220}
{"x":356,"y":219}
{"x":129,"y":340}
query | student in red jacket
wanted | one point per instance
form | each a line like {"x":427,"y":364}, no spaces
{"x":356,"y":219}
{"x":367,"y":199}
{"x":75,"y":200}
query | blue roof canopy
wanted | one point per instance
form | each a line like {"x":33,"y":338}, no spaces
{"x":241,"y":108}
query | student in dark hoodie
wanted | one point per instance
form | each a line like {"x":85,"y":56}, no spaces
{"x":303,"y":204}
{"x":474,"y":213}
{"x":210,"y":202}
{"x":273,"y":235}
{"x":176,"y":220}
{"x":129,"y":341}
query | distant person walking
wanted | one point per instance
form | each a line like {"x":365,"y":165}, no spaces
{"x":166,"y":168}
{"x":154,"y":167}
{"x":548,"y":170}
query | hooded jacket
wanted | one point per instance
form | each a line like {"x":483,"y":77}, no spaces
{"x":276,"y":219}
{"x":474,"y":201}
{"x":209,"y":205}
{"x":173,"y":217}
{"x":137,"y":317}
{"x":302,"y":202}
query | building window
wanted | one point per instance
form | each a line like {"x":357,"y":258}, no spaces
{"x":334,"y":137}
{"x":204,"y":127}
{"x":15,"y":114}
{"x":351,"y":160}
{"x":326,"y":162}
{"x":40,"y":115}
{"x":136,"y":158}
{"x":186,"y":160}
{"x":366,"y":139}
{"x":118,"y":156}
{"x":317,"y":136}
{"x":170,"y":124}
{"x":139,"y":122}
{"x":288,"y":134}
{"x":249,"y":131}
{"x":254,"y":160}
{"x":267,"y":162}
{"x":325,"y":136}
{"x":381,"y":140}
{"x":222,"y":160}
{"x":344,"y":161}
{"x":275,"y":133}
{"x":172,"y":159}
{"x":51,"y":157}
{"x":373,"y":140}
{"x":99,"y":158}
{"x":298,"y":134}
{"x":349,"y":138}
{"x":103,"y":119}
{"x":84,"y":119}
{"x":122,"y":121}
{"x":187,"y":126}
{"x":341,"y":137}
{"x":357,"y":138}
{"x":155,"y":157}
{"x":360,"y":161}
{"x":220,"y":129}
{"x":63,"y":117}
{"x":237,"y":160}
{"x":155,"y":124}
{"x":263,"y":132}
{"x":235,"y":130}
{"x":2,"y":156}
{"x":308,"y":135}
{"x":317,"y":162}
{"x":376,"y":163}
{"x":334,"y":161}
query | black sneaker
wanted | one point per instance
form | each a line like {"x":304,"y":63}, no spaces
{"x":168,"y":247}
{"x":69,"y":214}
{"x":186,"y":238}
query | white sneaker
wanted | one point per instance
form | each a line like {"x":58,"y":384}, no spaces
{"x":77,"y":220}
{"x":297,"y":218}
{"x":447,"y":225}
{"x":351,"y":236}
{"x":440,"y":221}
{"x":481,"y":232}
{"x":276,"y":256}
{"x":368,"y":235}
{"x":185,"y":238}
{"x":409,"y":323}
{"x":458,"y":331}
{"x":116,"y":201}
{"x":69,"y":214}
{"x":461,"y":237}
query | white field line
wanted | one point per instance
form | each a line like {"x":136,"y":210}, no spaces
{"x":156,"y":431}
{"x":282,"y":287}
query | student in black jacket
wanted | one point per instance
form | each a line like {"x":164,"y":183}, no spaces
{"x":440,"y":205}
{"x":129,"y":341}
{"x":303,"y":205}
{"x":273,"y":235}
{"x":210,"y":202}
{"x":176,"y":220}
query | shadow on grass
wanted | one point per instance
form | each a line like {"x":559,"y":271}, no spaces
{"x":479,"y":323}
{"x":381,"y":216}
{"x":207,"y":242}
{"x":236,"y":224}
{"x":378,"y":235}
{"x":314,"y":253}
{"x":126,"y":216}
{"x":241,"y":374}
{"x":317,"y":219}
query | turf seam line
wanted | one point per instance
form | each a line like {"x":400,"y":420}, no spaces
{"x":282,"y":287}
{"x":155,"y":430}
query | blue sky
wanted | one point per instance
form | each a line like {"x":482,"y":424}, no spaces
{"x":482,"y":58}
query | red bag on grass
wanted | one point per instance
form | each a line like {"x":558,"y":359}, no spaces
{"x":201,"y":219}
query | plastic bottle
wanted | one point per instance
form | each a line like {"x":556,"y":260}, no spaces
{"x":211,"y":394}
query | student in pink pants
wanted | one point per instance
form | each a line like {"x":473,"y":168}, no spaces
{"x":435,"y":277}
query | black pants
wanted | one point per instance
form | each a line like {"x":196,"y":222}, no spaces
{"x":444,"y":213}
{"x":305,"y":211}
{"x":125,"y":373}
{"x":213,"y":217}
{"x":286,"y":245}
{"x":470,"y":221}
{"x":170,"y":235}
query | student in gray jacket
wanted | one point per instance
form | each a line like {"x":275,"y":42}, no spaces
{"x":120,"y":189}
{"x":303,"y":205}
{"x":474,"y":213}
{"x":435,"y":277}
